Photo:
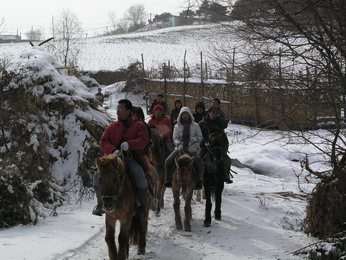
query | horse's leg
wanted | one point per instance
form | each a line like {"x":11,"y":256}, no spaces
{"x":162,"y":204}
{"x":208,"y":205}
{"x":159,"y":198}
{"x":143,"y":222}
{"x":123,"y":238}
{"x":110,"y":237}
{"x":198,"y":195}
{"x":218,"y":200}
{"x":188,"y":210}
{"x":176,"y":206}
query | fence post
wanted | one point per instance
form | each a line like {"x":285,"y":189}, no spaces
{"x":233,"y":64}
{"x":202,"y":80}
{"x":185,"y":78}
{"x":165,"y":80}
{"x":280,"y":68}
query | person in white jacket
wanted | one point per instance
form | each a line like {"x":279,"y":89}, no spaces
{"x":187,"y":136}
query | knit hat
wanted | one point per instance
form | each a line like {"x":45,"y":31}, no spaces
{"x":158,"y":107}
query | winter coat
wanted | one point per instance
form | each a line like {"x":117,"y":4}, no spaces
{"x":174,"y":116}
{"x":164,"y":126}
{"x":209,"y":127}
{"x":133,"y":132}
{"x":199,"y":116}
{"x":195,"y":131}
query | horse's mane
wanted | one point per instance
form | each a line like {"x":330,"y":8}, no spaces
{"x":184,"y":160}
{"x":104,"y":162}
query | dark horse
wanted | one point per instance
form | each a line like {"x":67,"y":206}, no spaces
{"x":118,"y":194}
{"x":183,"y":183}
{"x":157,"y":158}
{"x":214,"y":170}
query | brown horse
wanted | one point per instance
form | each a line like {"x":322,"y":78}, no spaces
{"x":157,"y":158}
{"x":183,"y":182}
{"x":119,"y":203}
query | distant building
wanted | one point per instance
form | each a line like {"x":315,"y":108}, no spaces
{"x":10,"y":38}
{"x":175,"y":20}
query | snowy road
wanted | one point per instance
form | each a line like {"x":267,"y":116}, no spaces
{"x":255,"y":225}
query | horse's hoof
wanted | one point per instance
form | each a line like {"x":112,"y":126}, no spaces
{"x":187,"y":229}
{"x":141,"y":252}
{"x":178,"y":227}
{"x":218,"y":216}
{"x":206,"y":224}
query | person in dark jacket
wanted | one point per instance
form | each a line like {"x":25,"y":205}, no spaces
{"x":139,"y":114}
{"x":175,"y":112}
{"x":199,"y":112}
{"x":159,"y":101}
{"x":214,"y":123}
{"x":127,"y":134}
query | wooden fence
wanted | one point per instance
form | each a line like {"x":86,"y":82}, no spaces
{"x":250,"y":104}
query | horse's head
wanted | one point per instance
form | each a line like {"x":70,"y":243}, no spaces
{"x":111,"y":177}
{"x":155,"y":136}
{"x":215,"y":146}
{"x":184,"y":166}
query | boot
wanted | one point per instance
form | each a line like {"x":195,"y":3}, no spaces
{"x":228,"y":180}
{"x":98,"y":208}
{"x":142,"y":197}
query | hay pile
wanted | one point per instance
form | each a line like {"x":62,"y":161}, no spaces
{"x":50,"y":127}
{"x":326,"y":217}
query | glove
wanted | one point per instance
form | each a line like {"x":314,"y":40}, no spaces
{"x":180,"y":147}
{"x":116,"y":152}
{"x":193,"y":139}
{"x":124,"y":146}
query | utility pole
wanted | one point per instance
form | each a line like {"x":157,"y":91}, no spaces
{"x":53,"y":26}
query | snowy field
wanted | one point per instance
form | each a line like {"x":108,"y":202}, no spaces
{"x":158,"y":46}
{"x":262,"y":214}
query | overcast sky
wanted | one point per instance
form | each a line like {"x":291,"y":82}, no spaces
{"x":22,"y":15}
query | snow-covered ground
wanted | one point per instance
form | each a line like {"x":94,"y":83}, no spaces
{"x":262,"y":211}
{"x":262,"y":214}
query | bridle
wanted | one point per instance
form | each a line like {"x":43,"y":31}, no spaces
{"x":160,"y":151}
{"x":115,"y":197}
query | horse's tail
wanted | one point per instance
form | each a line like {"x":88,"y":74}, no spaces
{"x":135,"y":230}
{"x":213,"y":192}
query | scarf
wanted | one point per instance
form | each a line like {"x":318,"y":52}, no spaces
{"x":186,"y":131}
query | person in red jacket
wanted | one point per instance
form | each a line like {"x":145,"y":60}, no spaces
{"x":128,"y":135}
{"x":163,"y":126}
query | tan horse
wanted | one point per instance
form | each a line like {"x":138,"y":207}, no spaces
{"x":157,"y":158}
{"x":183,"y":183}
{"x":119,"y":203}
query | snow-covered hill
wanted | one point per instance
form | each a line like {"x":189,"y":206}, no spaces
{"x":157,"y":46}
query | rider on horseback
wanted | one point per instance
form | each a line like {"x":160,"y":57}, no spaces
{"x":126,"y":137}
{"x":211,"y":124}
{"x":187,"y":136}
{"x":163,"y":125}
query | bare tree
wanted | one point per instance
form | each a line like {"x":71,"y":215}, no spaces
{"x":2,"y":25}
{"x":311,"y":33}
{"x":123,"y":26}
{"x":34,"y":35}
{"x":113,"y":20}
{"x":136,"y":16}
{"x":67,"y":32}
